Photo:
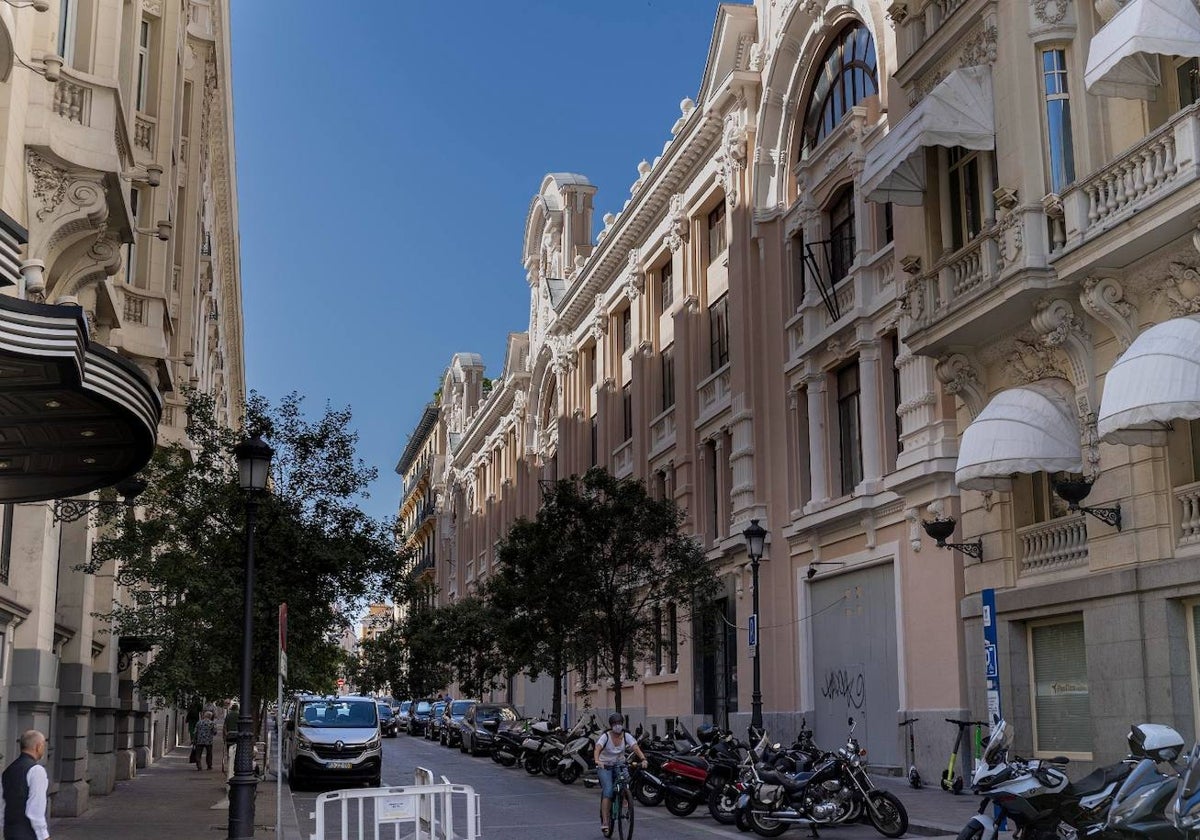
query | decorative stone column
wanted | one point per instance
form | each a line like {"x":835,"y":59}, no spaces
{"x":871,"y":409}
{"x":125,"y":724}
{"x":817,"y":385}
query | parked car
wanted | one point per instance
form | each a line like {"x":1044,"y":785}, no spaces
{"x":452,"y":717}
{"x":481,"y":722}
{"x":419,"y":716}
{"x":404,"y":716}
{"x":433,"y":729}
{"x":333,"y":738}
{"x":387,"y":720}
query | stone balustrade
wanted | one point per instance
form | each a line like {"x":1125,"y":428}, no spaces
{"x":623,"y":459}
{"x":714,"y":394}
{"x":143,"y":133}
{"x":662,"y":431}
{"x":72,"y":101}
{"x":1051,"y":546}
{"x":1188,"y":499}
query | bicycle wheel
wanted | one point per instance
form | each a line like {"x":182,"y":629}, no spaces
{"x":624,"y":820}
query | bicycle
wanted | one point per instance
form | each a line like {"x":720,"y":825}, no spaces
{"x":621,"y":813}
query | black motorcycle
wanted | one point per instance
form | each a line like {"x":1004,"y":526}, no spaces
{"x":837,"y":790}
{"x":646,"y":783}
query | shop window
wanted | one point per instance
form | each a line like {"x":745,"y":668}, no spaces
{"x":717,"y":241}
{"x":849,"y":428}
{"x":666,"y":287}
{"x":668,"y":377}
{"x":1193,"y":629}
{"x":1061,"y":702}
{"x":1058,"y":119}
{"x":847,"y":77}
{"x":841,"y":234}
{"x":718,"y":329}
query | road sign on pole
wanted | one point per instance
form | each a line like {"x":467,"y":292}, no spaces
{"x":991,"y":655}
{"x":753,"y":635}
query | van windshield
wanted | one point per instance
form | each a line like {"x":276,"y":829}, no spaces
{"x":339,"y":714}
{"x":459,"y":707}
{"x":423,"y":707}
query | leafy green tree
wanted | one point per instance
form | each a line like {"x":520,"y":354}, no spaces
{"x":181,"y":559}
{"x":467,"y":628}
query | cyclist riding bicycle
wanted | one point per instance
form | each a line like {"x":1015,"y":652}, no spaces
{"x":611,"y":750}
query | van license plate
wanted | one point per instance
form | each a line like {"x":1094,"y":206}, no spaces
{"x":339,"y":765}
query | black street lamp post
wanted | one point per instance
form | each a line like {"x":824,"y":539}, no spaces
{"x":755,"y":536}
{"x":254,"y":467}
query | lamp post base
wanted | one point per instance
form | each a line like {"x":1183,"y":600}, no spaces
{"x":242,"y":791}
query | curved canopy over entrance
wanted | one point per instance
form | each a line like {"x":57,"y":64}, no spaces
{"x":1155,"y":381}
{"x":74,"y":417}
{"x":1033,"y":428}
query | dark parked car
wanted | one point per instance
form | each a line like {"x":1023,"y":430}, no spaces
{"x":387,"y":721}
{"x":420,"y":713}
{"x":434,"y":727}
{"x":451,"y":719}
{"x":404,"y":716}
{"x":481,"y":722}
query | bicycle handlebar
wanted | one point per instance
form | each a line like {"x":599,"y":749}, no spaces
{"x":968,"y":722}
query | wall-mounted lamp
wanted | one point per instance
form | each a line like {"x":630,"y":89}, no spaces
{"x":51,"y":66}
{"x":943,"y":527}
{"x":151,"y":175}
{"x":1073,"y":489}
{"x":162,"y":230}
{"x":33,"y":273}
{"x":812,"y":567}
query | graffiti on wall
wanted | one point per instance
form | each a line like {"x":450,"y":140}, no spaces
{"x":845,"y":683}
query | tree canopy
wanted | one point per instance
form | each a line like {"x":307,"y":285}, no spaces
{"x":181,"y":559}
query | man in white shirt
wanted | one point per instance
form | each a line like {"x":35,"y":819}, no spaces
{"x":24,"y":783}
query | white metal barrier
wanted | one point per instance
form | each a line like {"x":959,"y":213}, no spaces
{"x":424,"y":811}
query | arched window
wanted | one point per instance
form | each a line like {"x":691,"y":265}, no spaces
{"x":847,"y":77}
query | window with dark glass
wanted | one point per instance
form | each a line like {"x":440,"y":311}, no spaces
{"x":886,"y":226}
{"x":966,"y":211}
{"x":841,"y":234}
{"x":627,"y":410}
{"x":797,"y":270}
{"x":713,"y":471}
{"x":895,"y":416}
{"x":658,"y":640}
{"x":595,"y":439}
{"x":6,"y":543}
{"x":626,"y":328}
{"x":1187,"y":77}
{"x":849,"y":427}
{"x":668,"y":377}
{"x":672,"y":638}
{"x":666,"y":286}
{"x":1058,"y":119}
{"x":847,"y":77}
{"x":718,"y":327}
{"x":716,"y":232}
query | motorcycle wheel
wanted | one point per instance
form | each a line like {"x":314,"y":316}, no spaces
{"x":678,"y":806}
{"x":570,"y":774}
{"x":550,"y":762}
{"x":722,"y":804}
{"x":971,"y":831}
{"x":646,"y":792}
{"x":765,"y":826}
{"x":742,"y":820}
{"x":505,"y":761}
{"x":887,"y":813}
{"x":496,"y":756}
{"x":533,"y":765}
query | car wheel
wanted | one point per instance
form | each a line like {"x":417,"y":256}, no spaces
{"x":375,"y":782}
{"x":462,"y":744}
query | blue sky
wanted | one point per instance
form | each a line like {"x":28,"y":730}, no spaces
{"x":387,"y":155}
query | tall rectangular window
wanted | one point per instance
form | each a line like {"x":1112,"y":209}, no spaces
{"x":659,"y":641}
{"x":595,"y":439}
{"x":1061,"y":702}
{"x":718,"y":330}
{"x":966,"y":211}
{"x":68,"y":16}
{"x":6,"y":544}
{"x":717,"y":241}
{"x":841,"y":234}
{"x":131,"y":248}
{"x":849,"y":427}
{"x":668,"y":377}
{"x":666,"y":287}
{"x":714,"y":517}
{"x":626,"y":328}
{"x":143,"y":66}
{"x":672,"y":638}
{"x":1058,"y":119}
{"x":627,"y":410}
{"x":1187,"y":77}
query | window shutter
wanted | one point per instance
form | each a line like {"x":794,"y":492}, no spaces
{"x":1060,"y":692}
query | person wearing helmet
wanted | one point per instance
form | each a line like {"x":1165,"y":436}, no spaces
{"x":611,"y":749}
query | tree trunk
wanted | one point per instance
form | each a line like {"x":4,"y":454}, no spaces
{"x":559,"y":676}
{"x":616,"y":675}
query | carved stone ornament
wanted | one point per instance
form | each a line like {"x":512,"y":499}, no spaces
{"x":757,"y":58}
{"x":911,"y":301}
{"x":49,"y":183}
{"x":519,"y":404}
{"x":1104,"y":299}
{"x":732,"y":157}
{"x":958,"y":376}
{"x":897,"y":12}
{"x":677,"y":223}
{"x":635,"y":279}
{"x":1006,"y":199}
{"x":1050,"y":12}
{"x":1180,"y":290}
{"x":1010,"y":238}
{"x":911,"y":264}
{"x":1030,"y":362}
{"x":913,"y":518}
{"x":154,"y":7}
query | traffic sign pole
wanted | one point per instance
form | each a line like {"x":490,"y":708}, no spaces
{"x":279,"y":721}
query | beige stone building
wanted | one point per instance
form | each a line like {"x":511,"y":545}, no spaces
{"x":119,"y":265}
{"x":886,"y":270}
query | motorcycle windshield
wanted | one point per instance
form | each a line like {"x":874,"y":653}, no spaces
{"x":1185,"y":813}
{"x":1189,"y":786}
{"x":998,"y":744}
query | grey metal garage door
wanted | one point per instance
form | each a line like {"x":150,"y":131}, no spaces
{"x":854,"y":661}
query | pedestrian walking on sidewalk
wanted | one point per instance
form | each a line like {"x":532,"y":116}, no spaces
{"x":205,"y":730}
{"x":231,"y":729}
{"x":25,"y":783}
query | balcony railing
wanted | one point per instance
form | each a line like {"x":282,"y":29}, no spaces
{"x":623,"y":459}
{"x":143,"y":133}
{"x":956,"y":278}
{"x":1051,"y":546}
{"x":1159,"y":164}
{"x":1188,"y":498}
{"x":714,"y":393}
{"x":662,"y":431}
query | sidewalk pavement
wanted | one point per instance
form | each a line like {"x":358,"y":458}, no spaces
{"x":932,"y":812}
{"x":171,"y":799}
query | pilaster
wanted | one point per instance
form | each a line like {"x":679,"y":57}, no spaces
{"x":871,"y":410}
{"x":817,"y":385}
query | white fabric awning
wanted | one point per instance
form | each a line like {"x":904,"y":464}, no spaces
{"x":1123,"y":56}
{"x":957,"y":112}
{"x":1030,"y":429}
{"x":1155,"y":381}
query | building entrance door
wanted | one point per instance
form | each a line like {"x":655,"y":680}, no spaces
{"x":716,"y":664}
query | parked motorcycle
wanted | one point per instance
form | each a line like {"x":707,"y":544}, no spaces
{"x":1140,"y":809}
{"x":507,"y":746}
{"x":646,"y":783}
{"x":837,"y":790}
{"x":1185,"y":810}
{"x":1037,"y":795}
{"x":541,"y":749}
{"x":578,"y":756}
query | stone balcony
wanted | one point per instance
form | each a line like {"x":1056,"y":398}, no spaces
{"x":82,"y":120}
{"x":1053,"y":546}
{"x":714,"y":396}
{"x":144,"y":329}
{"x":1187,"y":501}
{"x":623,"y":460}
{"x":662,"y":432}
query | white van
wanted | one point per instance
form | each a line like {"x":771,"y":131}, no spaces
{"x":333,"y":739}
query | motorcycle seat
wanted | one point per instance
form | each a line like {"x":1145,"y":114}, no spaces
{"x":694,"y":761}
{"x":1098,"y":780}
{"x":788,"y":783}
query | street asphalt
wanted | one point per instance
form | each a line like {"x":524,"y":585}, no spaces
{"x":517,"y":806}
